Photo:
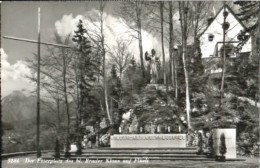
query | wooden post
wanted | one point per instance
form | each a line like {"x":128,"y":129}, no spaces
{"x":223,"y":59}
{"x":38,"y":88}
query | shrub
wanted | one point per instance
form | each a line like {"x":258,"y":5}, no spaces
{"x":223,"y":148}
{"x":79,"y":147}
{"x":200,"y":143}
{"x":57,"y":149}
{"x":105,"y":140}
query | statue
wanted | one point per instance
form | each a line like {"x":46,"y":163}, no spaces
{"x":153,"y":66}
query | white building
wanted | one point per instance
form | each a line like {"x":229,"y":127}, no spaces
{"x":211,"y":40}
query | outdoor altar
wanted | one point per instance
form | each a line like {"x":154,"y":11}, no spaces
{"x":148,"y":141}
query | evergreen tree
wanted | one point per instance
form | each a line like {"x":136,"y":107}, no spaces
{"x":200,"y":143}
{"x":248,"y":12}
{"x":211,"y":145}
{"x":87,"y":72}
{"x":223,"y":148}
{"x":87,"y":66}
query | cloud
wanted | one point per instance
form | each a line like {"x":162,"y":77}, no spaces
{"x":67,"y":25}
{"x":114,"y":29}
{"x":13,"y":76}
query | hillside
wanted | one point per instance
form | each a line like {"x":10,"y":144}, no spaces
{"x":17,"y":106}
{"x":19,"y":122}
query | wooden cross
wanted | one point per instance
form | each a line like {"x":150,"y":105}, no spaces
{"x":38,"y":42}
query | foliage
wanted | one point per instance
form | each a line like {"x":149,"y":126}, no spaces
{"x":152,"y":108}
{"x":105,"y":140}
{"x":86,"y":73}
{"x":243,"y":77}
{"x":248,"y":12}
{"x":79,"y":148}
{"x":86,"y":67}
{"x":120,"y":57}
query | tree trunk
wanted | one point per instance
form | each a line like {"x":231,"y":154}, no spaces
{"x":175,"y":74}
{"x":65,"y":90}
{"x":171,"y":44}
{"x":66,"y":99}
{"x":173,"y":65}
{"x":139,"y":32}
{"x":164,"y":68}
{"x":104,"y":64}
{"x":120,"y":74}
{"x":77,"y":67}
{"x":186,"y":84}
{"x":57,"y":151}
{"x":58,"y":118}
{"x":258,"y":41}
{"x":183,"y":19}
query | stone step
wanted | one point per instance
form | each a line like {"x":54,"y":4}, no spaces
{"x":151,"y":149}
{"x":138,"y":155}
{"x":141,"y":151}
{"x":134,"y":158}
{"x":149,"y":158}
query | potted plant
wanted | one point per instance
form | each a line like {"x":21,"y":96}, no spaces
{"x":200,"y":144}
{"x":223,"y":148}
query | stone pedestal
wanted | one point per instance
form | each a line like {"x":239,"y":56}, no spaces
{"x":148,"y":141}
{"x":230,"y":139}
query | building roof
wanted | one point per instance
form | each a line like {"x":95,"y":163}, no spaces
{"x":231,"y":11}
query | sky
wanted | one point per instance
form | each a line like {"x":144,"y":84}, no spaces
{"x":19,"y":19}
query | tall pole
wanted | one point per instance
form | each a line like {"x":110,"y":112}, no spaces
{"x":258,"y":45}
{"x":164,"y":68}
{"x":224,"y":58}
{"x":38,"y":87}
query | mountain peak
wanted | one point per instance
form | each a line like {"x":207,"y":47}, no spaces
{"x":17,"y":93}
{"x":17,"y":106}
